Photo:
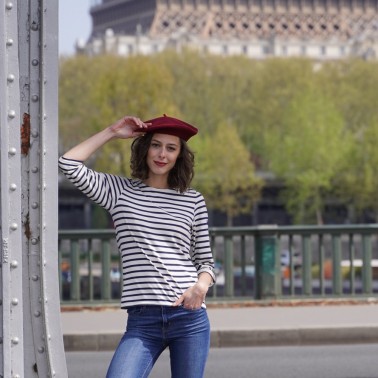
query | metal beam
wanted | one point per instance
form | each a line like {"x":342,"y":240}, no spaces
{"x":31,"y":331}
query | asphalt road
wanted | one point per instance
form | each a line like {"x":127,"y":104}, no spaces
{"x":331,"y":361}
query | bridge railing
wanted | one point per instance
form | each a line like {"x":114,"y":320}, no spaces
{"x":266,"y":262}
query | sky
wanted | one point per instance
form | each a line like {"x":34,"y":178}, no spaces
{"x":74,"y":23}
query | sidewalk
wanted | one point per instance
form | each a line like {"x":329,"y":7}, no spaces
{"x":241,"y":325}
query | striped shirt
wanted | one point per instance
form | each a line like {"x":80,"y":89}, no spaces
{"x":162,"y":235}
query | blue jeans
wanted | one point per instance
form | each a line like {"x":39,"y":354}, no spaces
{"x":150,"y":329}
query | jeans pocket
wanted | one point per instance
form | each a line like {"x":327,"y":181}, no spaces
{"x":135,"y":310}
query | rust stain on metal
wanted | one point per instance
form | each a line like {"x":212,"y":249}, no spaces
{"x":27,"y":231}
{"x":25,"y":134}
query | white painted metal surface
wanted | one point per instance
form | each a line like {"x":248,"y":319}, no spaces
{"x":32,"y":342}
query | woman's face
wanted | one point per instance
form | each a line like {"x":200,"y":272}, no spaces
{"x":162,"y":154}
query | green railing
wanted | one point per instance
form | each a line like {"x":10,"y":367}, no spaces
{"x":251,"y":263}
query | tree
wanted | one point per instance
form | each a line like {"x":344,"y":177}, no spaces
{"x":307,"y":152}
{"x":276,"y":83}
{"x":357,"y":182}
{"x":224,"y":174}
{"x":353,"y":86}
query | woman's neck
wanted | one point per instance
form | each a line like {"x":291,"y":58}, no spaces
{"x":157,"y":182}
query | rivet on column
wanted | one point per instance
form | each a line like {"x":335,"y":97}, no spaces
{"x":15,"y":340}
{"x":12,"y":151}
{"x":34,"y":26}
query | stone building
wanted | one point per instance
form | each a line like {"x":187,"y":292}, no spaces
{"x":318,"y":29}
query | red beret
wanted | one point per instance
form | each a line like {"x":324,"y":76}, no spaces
{"x":171,"y":126}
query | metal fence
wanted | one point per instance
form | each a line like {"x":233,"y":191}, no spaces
{"x":251,"y":263}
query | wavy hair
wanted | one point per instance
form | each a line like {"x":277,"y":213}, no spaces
{"x":179,"y":177}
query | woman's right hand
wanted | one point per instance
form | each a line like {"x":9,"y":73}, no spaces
{"x":128,"y":127}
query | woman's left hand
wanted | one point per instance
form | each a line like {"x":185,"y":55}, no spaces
{"x":193,"y":297}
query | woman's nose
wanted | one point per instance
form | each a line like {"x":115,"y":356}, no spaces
{"x":162,"y":152}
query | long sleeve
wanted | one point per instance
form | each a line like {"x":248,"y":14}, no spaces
{"x":200,"y":244}
{"x":102,"y":188}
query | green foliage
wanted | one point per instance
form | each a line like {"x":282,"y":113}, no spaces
{"x":225,"y":174}
{"x":313,"y":126}
{"x":306,"y":151}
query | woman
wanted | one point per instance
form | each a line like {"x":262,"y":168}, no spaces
{"x":162,"y":235}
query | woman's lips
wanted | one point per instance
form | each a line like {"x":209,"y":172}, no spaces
{"x":160,"y":163}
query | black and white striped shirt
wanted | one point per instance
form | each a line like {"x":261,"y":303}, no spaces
{"x":162,"y":235}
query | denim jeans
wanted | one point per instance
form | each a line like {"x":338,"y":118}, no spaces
{"x":150,"y":329}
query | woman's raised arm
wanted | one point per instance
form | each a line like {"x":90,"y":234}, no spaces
{"x":126,"y":127}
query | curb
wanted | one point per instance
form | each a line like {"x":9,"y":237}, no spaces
{"x":242,"y":338}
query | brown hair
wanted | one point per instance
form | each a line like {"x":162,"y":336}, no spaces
{"x":181,"y":174}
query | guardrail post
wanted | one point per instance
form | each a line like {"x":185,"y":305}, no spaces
{"x":105,"y":279}
{"x":267,"y":267}
{"x":366,"y":264}
{"x":90,"y":270}
{"x":214,"y":250}
{"x":336,"y":265}
{"x":75,"y":271}
{"x":352,"y":271}
{"x":321,"y":264}
{"x":243,"y":262}
{"x":307,"y":275}
{"x":229,"y":267}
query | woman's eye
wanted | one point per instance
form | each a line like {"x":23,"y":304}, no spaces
{"x":171,"y":149}
{"x":155,"y":145}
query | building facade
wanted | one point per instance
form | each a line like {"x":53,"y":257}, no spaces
{"x":317,"y":29}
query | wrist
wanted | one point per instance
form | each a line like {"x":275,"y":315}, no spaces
{"x":110,"y":132}
{"x":206,"y":279}
{"x":204,"y":286}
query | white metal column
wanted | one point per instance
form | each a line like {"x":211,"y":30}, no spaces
{"x":11,"y":251}
{"x":32,"y":342}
